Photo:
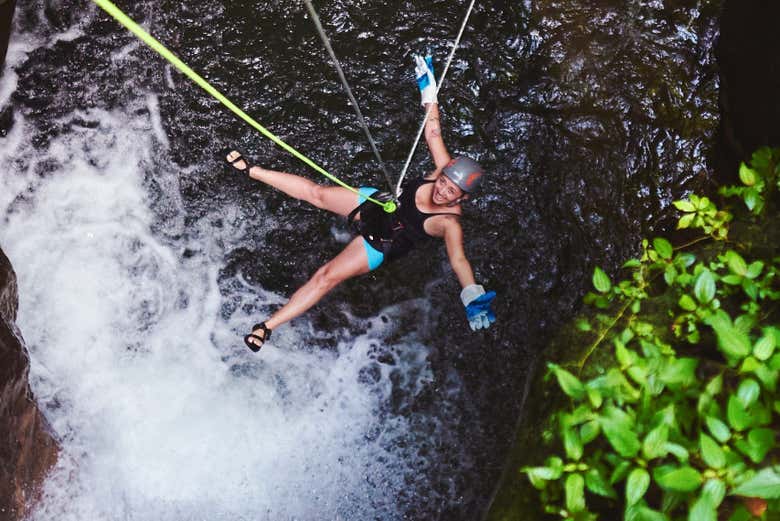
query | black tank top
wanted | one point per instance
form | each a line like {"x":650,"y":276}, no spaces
{"x":397,"y":233}
{"x":411,"y":216}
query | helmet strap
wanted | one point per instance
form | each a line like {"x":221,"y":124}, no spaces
{"x":458,"y":200}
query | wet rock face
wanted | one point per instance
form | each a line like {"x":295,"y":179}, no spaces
{"x":27,"y":449}
{"x":750,"y":79}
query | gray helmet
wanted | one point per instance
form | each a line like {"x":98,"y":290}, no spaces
{"x":464,"y":172}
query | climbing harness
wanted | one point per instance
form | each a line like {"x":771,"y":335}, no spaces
{"x":326,"y":41}
{"x":438,"y":87}
{"x":133,"y":27}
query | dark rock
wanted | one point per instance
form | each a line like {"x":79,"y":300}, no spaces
{"x":6,"y":17}
{"x":749,"y":64}
{"x":27,"y":447}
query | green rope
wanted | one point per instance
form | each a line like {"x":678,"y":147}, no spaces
{"x":133,"y":27}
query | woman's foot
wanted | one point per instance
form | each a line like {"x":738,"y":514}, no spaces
{"x":237,"y":161}
{"x":254,"y":341}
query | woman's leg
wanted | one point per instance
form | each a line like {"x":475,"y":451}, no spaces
{"x":352,"y":261}
{"x":332,"y":198}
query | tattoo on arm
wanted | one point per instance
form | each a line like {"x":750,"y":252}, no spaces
{"x":433,"y":128}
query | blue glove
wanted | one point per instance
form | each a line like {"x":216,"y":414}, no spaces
{"x":477,"y":304}
{"x":426,"y":82}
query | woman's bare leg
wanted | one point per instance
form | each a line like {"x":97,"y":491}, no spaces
{"x":352,"y":261}
{"x":332,"y":198}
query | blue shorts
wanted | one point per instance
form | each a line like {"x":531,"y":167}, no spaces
{"x":375,"y":257}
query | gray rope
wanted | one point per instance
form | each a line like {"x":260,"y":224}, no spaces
{"x":430,"y":106}
{"x":326,"y":41}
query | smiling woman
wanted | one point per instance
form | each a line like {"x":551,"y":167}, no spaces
{"x":429,"y":208}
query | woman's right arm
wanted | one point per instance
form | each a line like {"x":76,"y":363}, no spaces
{"x":433,"y":137}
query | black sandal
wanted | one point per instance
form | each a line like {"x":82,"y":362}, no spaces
{"x":239,"y":157}
{"x":266,"y":335}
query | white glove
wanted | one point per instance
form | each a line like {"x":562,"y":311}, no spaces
{"x":425,"y":80}
{"x":477,"y":304}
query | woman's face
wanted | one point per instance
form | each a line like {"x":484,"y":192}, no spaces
{"x":445,"y":191}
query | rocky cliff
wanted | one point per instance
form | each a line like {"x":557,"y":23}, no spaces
{"x":6,"y":15}
{"x":27,"y":449}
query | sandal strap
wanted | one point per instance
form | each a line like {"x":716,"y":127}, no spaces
{"x":252,"y":345}
{"x":265,"y":329}
{"x":240,"y":157}
{"x":255,"y":347}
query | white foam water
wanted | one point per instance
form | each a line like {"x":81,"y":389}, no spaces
{"x":160,"y":411}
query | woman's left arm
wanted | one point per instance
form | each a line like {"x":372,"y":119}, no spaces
{"x":453,"y":238}
{"x":473,"y":296}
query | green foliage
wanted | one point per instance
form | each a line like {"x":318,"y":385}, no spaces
{"x":687,"y":414}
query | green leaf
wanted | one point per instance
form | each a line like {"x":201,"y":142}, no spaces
{"x":732,"y":280}
{"x":715,"y":490}
{"x":685,"y":259}
{"x":679,"y":371}
{"x":703,"y":510}
{"x":687,"y":303}
{"x":704,"y":288}
{"x":636,"y":485}
{"x":575,"y":493}
{"x":733,"y":342}
{"x":598,"y":485}
{"x":752,"y":199}
{"x":540,"y":475}
{"x":619,"y":431}
{"x":749,"y":365}
{"x":745,"y":323}
{"x":747,"y":175}
{"x":715,"y":385}
{"x":768,"y":377}
{"x":583,"y":325}
{"x":748,"y":392}
{"x":624,"y":356}
{"x":762,"y":158}
{"x":680,"y":452}
{"x":632,"y":263}
{"x":754,"y":270}
{"x":686,"y":221}
{"x":589,"y":431}
{"x":570,"y":384}
{"x":736,"y":263}
{"x":685,"y":206}
{"x":601,"y":280}
{"x":750,"y":288}
{"x":620,"y":472}
{"x":711,"y":452}
{"x":761,"y":441}
{"x":572,"y":444}
{"x":663,"y":247}
{"x":643,"y":513}
{"x":718,"y":429}
{"x":677,"y":479}
{"x":764,"y":347}
{"x":654,"y":444}
{"x":738,"y":417}
{"x":765,"y":484}
{"x":595,"y":398}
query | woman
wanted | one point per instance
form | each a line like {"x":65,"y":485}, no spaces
{"x":429,"y":208}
